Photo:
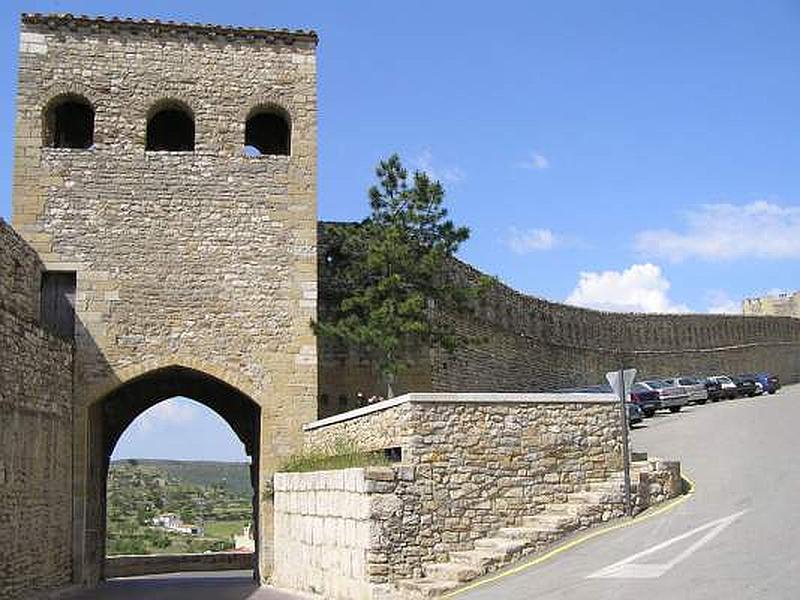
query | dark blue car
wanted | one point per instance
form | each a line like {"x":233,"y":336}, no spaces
{"x":769,"y":382}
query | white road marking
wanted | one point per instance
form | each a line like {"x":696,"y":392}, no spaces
{"x":627,"y":568}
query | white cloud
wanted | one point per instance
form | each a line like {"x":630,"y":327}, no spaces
{"x":175,"y":411}
{"x":639,"y":288}
{"x":720,"y":303}
{"x":535,"y":162}
{"x":445,"y":174}
{"x":729,"y":231}
{"x":531,"y":240}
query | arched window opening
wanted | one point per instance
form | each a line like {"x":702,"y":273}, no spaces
{"x":179,"y":481}
{"x":170,"y":129}
{"x":267,"y":132}
{"x":69,"y":123}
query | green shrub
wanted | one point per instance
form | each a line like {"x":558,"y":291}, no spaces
{"x":341,"y":454}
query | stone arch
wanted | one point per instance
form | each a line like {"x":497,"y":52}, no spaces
{"x":110,"y":413}
{"x":68,"y":121}
{"x":268,"y":129}
{"x":170,"y":126}
{"x":124,"y":375}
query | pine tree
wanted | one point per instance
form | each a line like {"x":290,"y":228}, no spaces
{"x":388,"y":274}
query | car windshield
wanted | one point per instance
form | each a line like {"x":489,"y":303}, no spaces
{"x":655,"y":384}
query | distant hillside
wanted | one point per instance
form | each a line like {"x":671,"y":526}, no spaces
{"x":235,"y":477}
{"x":215,"y":497}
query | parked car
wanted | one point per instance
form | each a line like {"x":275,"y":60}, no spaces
{"x":729,"y":387}
{"x":693,"y":387}
{"x":645,"y":398}
{"x":635,"y":414}
{"x":745,"y":386}
{"x":672,"y":397}
{"x":714,"y":389}
{"x":769,"y":383}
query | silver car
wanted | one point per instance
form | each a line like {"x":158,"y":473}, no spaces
{"x":696,"y":389}
{"x":672,"y":397}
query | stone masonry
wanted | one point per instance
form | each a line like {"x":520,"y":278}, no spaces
{"x":35,"y":432}
{"x":195,"y":274}
{"x":200,"y":260}
{"x":480,"y":461}
{"x":473,"y":466}
{"x":529,"y":344}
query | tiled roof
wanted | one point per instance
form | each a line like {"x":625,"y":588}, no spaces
{"x":69,"y":21}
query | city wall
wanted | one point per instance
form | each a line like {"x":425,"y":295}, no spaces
{"x":35,"y":433}
{"x":524,"y":344}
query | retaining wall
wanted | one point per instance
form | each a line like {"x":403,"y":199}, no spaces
{"x":471,"y":464}
{"x":323,"y":527}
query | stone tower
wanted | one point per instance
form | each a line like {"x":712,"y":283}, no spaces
{"x":166,"y":176}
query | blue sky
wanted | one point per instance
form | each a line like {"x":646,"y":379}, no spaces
{"x":630,"y":155}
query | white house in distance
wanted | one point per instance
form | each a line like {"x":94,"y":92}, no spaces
{"x":172,"y":522}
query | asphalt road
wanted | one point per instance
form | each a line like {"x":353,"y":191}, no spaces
{"x":737,"y":536}
{"x":223,"y":585}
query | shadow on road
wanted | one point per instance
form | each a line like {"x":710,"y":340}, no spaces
{"x":184,"y":586}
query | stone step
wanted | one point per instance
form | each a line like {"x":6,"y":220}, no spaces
{"x":550,"y":522}
{"x":563,"y":508}
{"x":591,"y":505}
{"x":501,"y":545}
{"x":425,"y":588}
{"x":593,"y":497}
{"x":527,"y":534}
{"x":574,"y":509}
{"x":479,"y":558}
{"x":532,"y":537}
{"x":451,"y":571}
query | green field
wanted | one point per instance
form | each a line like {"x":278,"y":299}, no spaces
{"x":214,"y":496}
{"x":224,"y":530}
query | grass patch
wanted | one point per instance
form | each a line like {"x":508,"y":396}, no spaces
{"x":224,"y":530}
{"x":342,"y":454}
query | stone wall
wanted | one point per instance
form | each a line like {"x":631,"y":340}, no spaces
{"x":534,"y":344}
{"x":659,"y":481}
{"x":203,"y":259}
{"x":35,"y":433}
{"x":471,"y":465}
{"x":476,"y":462}
{"x":531,"y":344}
{"x":323,"y":532}
{"x":130,"y":565}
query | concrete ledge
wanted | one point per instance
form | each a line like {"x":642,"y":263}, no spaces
{"x":128,"y":565}
{"x":468,"y":398}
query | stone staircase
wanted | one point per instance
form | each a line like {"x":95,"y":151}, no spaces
{"x":596,"y":503}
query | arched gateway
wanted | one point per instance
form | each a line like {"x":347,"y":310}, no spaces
{"x":109,"y":417}
{"x":191,"y":267}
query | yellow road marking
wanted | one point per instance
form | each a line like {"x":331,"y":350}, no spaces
{"x":648,"y":514}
